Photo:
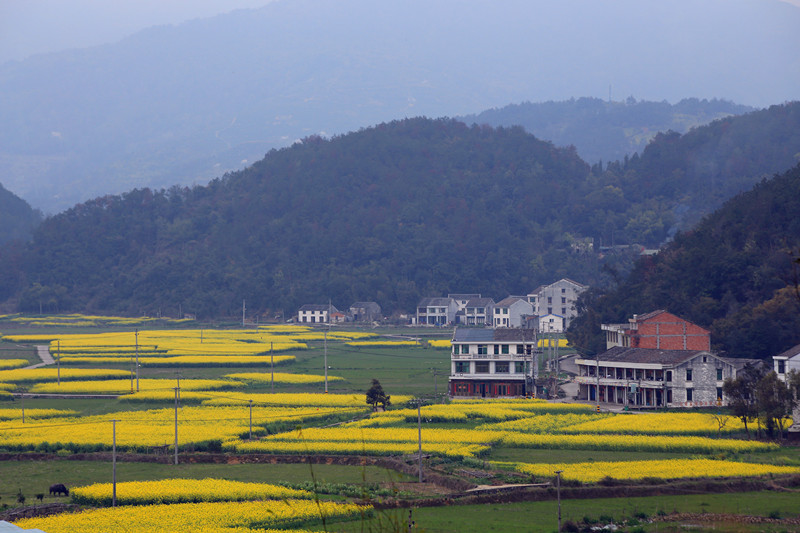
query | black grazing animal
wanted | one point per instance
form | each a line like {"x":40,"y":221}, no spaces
{"x":59,"y":488}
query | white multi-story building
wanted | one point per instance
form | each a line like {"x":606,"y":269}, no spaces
{"x":316,"y":313}
{"x":557,"y":299}
{"x":491,"y":363}
{"x":509,"y":312}
{"x":436,"y":311}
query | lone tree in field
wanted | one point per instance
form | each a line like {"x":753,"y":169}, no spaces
{"x":375,"y":396}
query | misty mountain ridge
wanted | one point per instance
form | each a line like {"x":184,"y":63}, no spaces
{"x":187,"y":103}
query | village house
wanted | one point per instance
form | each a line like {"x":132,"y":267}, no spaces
{"x":783,"y":364}
{"x":436,"y":311}
{"x":509,"y":312}
{"x":319,"y":314}
{"x":550,"y":323}
{"x":365,"y":312}
{"x":491,"y":363}
{"x":656,"y":360}
{"x":477,"y":312}
{"x":558,"y":298}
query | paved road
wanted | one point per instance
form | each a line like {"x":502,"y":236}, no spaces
{"x":44,"y":354}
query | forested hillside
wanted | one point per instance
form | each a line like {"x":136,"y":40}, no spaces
{"x":604,"y":130}
{"x":17,"y":218}
{"x":392,"y":213}
{"x":736,"y":273}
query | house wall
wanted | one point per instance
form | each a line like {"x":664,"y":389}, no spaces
{"x":706,"y":388}
{"x":670,"y":333}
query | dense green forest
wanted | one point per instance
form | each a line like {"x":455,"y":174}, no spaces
{"x":735,"y":273}
{"x":603,"y":130}
{"x":391,"y":213}
{"x":17,"y":218}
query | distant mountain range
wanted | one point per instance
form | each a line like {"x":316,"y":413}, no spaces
{"x":17,"y":218}
{"x":185,"y":104}
{"x":405,"y":209}
{"x":603,"y":130}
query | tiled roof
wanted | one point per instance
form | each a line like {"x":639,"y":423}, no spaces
{"x":494,"y":335}
{"x":643,"y":355}
{"x":791,"y":352}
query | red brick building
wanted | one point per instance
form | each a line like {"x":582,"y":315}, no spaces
{"x":658,"y":330}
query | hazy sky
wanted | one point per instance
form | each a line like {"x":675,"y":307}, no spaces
{"x":30,"y":27}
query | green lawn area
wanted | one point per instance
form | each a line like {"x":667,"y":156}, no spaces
{"x":542,"y":516}
{"x":34,"y":477}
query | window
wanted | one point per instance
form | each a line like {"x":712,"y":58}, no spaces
{"x":456,"y":349}
{"x":669,"y":375}
{"x":482,"y":367}
{"x":519,"y":367}
{"x":689,"y":395}
{"x":563,"y":290}
{"x":465,"y":349}
{"x":705,"y":359}
{"x":497,"y":349}
{"x":520,"y":349}
{"x":719,"y":374}
{"x":482,"y":349}
{"x":688,"y":375}
{"x":504,"y":349}
{"x":563,"y":310}
{"x":462,"y":367}
{"x":781,"y":366}
{"x":719,"y":393}
{"x":549,"y":310}
{"x":501,"y":367}
{"x":563,"y":300}
{"x":549,"y":299}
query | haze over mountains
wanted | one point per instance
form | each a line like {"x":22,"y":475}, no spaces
{"x":181,"y":105}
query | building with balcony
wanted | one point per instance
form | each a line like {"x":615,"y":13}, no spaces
{"x":491,"y":363}
{"x":436,"y":311}
{"x":642,"y":377}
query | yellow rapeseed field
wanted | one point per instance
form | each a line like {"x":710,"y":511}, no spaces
{"x":217,"y":517}
{"x":182,"y":491}
{"x":664,"y":469}
{"x":117,"y":386}
{"x":281,"y":377}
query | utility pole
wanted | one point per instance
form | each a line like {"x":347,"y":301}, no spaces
{"x":251,"y":418}
{"x":176,"y":425}
{"x":419,"y":437}
{"x":58,"y":359}
{"x":272,"y":369}
{"x":558,"y":492}
{"x":136,"y":334}
{"x":243,"y":311}
{"x":326,"y":361}
{"x":22,"y":399}
{"x":113,"y":463}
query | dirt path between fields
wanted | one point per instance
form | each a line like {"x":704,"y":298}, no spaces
{"x":44,"y":354}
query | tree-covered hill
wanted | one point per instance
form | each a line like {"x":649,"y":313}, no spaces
{"x":735,"y":273}
{"x":391,"y":213}
{"x":604,"y":130}
{"x":17,"y":218}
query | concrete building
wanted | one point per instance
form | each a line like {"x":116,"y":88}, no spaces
{"x":558,"y":298}
{"x":365,"y":312}
{"x":646,"y":377}
{"x":657,"y":330}
{"x":436,"y":311}
{"x":783,"y":364}
{"x":318,"y":314}
{"x":491,"y":363}
{"x":509,"y":312}
{"x":477,"y":312}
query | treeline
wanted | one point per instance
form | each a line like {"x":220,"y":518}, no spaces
{"x":392,"y":213}
{"x":735,"y":273}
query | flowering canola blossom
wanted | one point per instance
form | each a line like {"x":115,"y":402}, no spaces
{"x":664,"y":469}
{"x":282,"y":377}
{"x":182,"y":491}
{"x":217,"y":517}
{"x":52,"y":374}
{"x":137,"y":430}
{"x":16,"y":414}
{"x":116,"y":386}
{"x":13,"y":363}
{"x":661,"y":424}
